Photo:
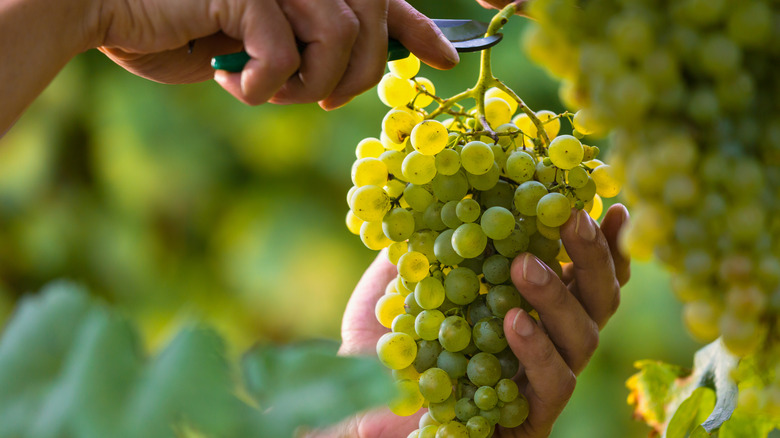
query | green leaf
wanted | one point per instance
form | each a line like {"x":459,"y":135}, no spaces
{"x":691,"y":413}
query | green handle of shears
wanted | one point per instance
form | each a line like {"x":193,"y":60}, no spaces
{"x":235,"y":62}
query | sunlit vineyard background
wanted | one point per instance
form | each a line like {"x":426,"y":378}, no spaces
{"x":177,"y":202}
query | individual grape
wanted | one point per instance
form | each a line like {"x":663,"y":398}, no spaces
{"x":417,"y":197}
{"x":395,"y":91}
{"x":353,"y":223}
{"x":485,"y":398}
{"x":468,"y":210}
{"x":447,"y":162}
{"x":427,"y":353}
{"x":405,"y":68}
{"x":428,"y":431}
{"x":527,"y":196}
{"x":390,"y":144}
{"x":487,"y":180}
{"x":369,"y":148}
{"x":423,"y":242}
{"x":454,"y":333}
{"x":422,"y":100}
{"x":577,"y":177}
{"x":509,"y":363}
{"x":496,"y":269}
{"x":408,"y":373}
{"x":393,"y":160}
{"x":503,"y":298}
{"x":427,"y":324}
{"x":506,"y":390}
{"x":501,"y":195}
{"x":565,"y":152}
{"x":484,"y":369}
{"x":370,"y":203}
{"x":418,"y":168}
{"x":444,"y":251}
{"x":429,"y":293}
{"x":432,"y":217}
{"x":514,"y":413}
{"x":453,"y":429}
{"x":435,"y":385}
{"x":488,"y":335}
{"x":404,"y":323}
{"x":478,"y":310}
{"x":469,"y":240}
{"x":553,"y":210}
{"x":478,"y":427}
{"x":395,"y":189}
{"x":493,"y":416}
{"x":586,"y":192}
{"x":453,"y":363}
{"x":520,"y":166}
{"x":461,"y":286}
{"x":388,"y":307}
{"x":465,"y":409}
{"x":449,"y":215}
{"x":552,"y":233}
{"x":548,"y":174}
{"x":396,"y":350}
{"x":426,"y":420}
{"x":443,"y":412}
{"x":450,"y":187}
{"x":513,"y":245}
{"x":607,"y":184}
{"x":497,"y":111}
{"x":413,"y":266}
{"x":398,"y":224}
{"x":501,"y":94}
{"x":497,"y":223}
{"x":550,"y":122}
{"x":409,"y":399}
{"x":429,"y":137}
{"x":372,"y":235}
{"x":398,"y":125}
{"x":477,"y":157}
{"x":587,"y":123}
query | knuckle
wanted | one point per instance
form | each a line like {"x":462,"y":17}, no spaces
{"x":348,"y":28}
{"x":568,"y":383}
{"x":591,"y":339}
{"x":285,"y":62}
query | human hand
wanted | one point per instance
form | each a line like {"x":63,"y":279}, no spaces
{"x":499,"y":4}
{"x":572,"y":310}
{"x":344,"y":44}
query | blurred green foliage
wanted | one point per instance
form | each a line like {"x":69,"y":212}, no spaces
{"x":177,"y":202}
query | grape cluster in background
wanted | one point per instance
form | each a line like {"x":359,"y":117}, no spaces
{"x":455,"y":194}
{"x":692,"y":95}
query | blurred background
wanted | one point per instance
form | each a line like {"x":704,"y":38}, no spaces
{"x":178,"y":202}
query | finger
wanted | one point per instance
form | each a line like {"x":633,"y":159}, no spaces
{"x":550,"y":381}
{"x":328,"y":28}
{"x":378,"y":423}
{"x":573,"y":332}
{"x":595,"y":283}
{"x":420,"y":35}
{"x":360,"y":330}
{"x":270,"y":42}
{"x":615,"y":219}
{"x":367,"y":63}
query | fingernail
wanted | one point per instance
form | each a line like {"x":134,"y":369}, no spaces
{"x":534,"y":272}
{"x":585,"y":227}
{"x":523,"y":325}
{"x":449,"y":52}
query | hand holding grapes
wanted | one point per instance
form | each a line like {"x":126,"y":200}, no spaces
{"x":551,"y":352}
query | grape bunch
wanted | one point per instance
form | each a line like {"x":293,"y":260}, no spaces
{"x":454,"y":195}
{"x":691,"y":91}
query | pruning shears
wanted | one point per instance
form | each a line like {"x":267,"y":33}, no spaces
{"x":465,"y":36}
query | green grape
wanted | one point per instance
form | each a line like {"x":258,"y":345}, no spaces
{"x":449,"y":215}
{"x":450,"y":187}
{"x":435,"y":385}
{"x":453,"y":363}
{"x":388,"y":307}
{"x":411,"y":306}
{"x":465,"y":409}
{"x":487,"y":180}
{"x":503,"y":298}
{"x":413,"y":266}
{"x":587,"y":192}
{"x":396,"y":350}
{"x":398,"y":125}
{"x":428,"y":431}
{"x":393,"y":160}
{"x":514,"y":413}
{"x":543,"y":248}
{"x":418,"y":168}
{"x":509,"y":363}
{"x":423,"y":242}
{"x":398,"y":224}
{"x":422,"y":100}
{"x":477,"y":157}
{"x":468,"y":210}
{"x":513,"y":245}
{"x":447,"y":162}
{"x":444,"y":251}
{"x":370,"y":203}
{"x":429,"y":293}
{"x":454,"y":333}
{"x":548,"y":174}
{"x":427,"y":324}
{"x":484,"y":369}
{"x":461,"y":286}
{"x":496,"y":269}
{"x":497,"y":223}
{"x":478,"y":310}
{"x":488,"y":335}
{"x":469,"y":240}
{"x":395,"y":91}
{"x":466,"y":388}
{"x":427,"y":353}
{"x":432,"y":217}
{"x":418,"y":197}
{"x":577,"y":177}
{"x":429,"y":137}
{"x":506,"y":390}
{"x":408,"y":373}
{"x":369,"y":171}
{"x":404,"y":323}
{"x":475,"y":264}
{"x":405,"y":68}
{"x":372,"y":235}
{"x":499,"y":155}
{"x":527,"y":196}
{"x":369,"y":148}
{"x":453,"y":429}
{"x":553,"y":210}
{"x":478,"y":427}
{"x":607,"y":184}
{"x":565,"y":152}
{"x":493,"y":416}
{"x":719,"y":56}
{"x":497,"y":111}
{"x":485,"y":398}
{"x":501,"y":195}
{"x":520,"y":166}
{"x":443,"y":412}
{"x":409,"y":400}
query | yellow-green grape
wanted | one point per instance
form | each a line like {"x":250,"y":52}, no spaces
{"x":524,"y":124}
{"x":468,"y":210}
{"x":565,"y":152}
{"x":527,"y":196}
{"x":394,"y":188}
{"x":484,"y":369}
{"x":597,"y":207}
{"x":354,"y":223}
{"x":429,"y":293}
{"x":477,"y":157}
{"x":443,"y":412}
{"x":505,"y":141}
{"x":422,"y":100}
{"x":418,"y":168}
{"x":429,"y":137}
{"x":443,"y":250}
{"x":577,"y":177}
{"x":497,"y":111}
{"x":396,"y":250}
{"x":506,"y":390}
{"x":427,"y":420}
{"x":429,"y":431}
{"x":550,"y":122}
{"x":373,"y":237}
{"x":435,"y":385}
{"x":447,"y":162}
{"x":394,"y":91}
{"x":497,"y":223}
{"x":413,"y":266}
{"x":552,"y":233}
{"x":369,"y":171}
{"x":388,"y":307}
{"x":553,"y":210}
{"x":499,"y":93}
{"x":408,"y":373}
{"x":520,"y":166}
{"x":391,"y":145}
{"x":454,"y":336}
{"x":369,"y":148}
{"x":461,"y":286}
{"x":398,"y":224}
{"x":485,"y":398}
{"x":418,"y":197}
{"x":487,"y":180}
{"x":469,"y":240}
{"x":397,"y":125}
{"x":427,"y":324}
{"x":453,"y":429}
{"x":404,"y":323}
{"x":396,"y":350}
{"x":607,"y":184}
{"x":586,"y":123}
{"x":514,"y":413}
{"x":405,"y":68}
{"x":350,"y":194}
{"x":478,"y":427}
{"x":409,"y":400}
{"x":702,"y":319}
{"x":370,"y":203}
{"x":393,"y":161}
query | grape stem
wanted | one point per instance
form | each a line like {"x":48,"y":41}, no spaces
{"x":486,"y":81}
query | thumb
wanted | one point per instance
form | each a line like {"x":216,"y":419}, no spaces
{"x":420,"y":35}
